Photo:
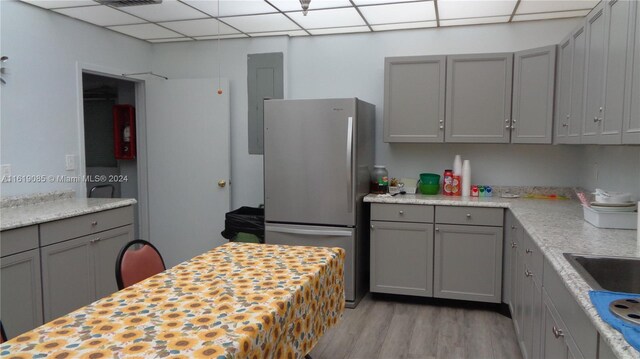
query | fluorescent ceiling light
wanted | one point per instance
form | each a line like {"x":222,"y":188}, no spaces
{"x":233,"y":36}
{"x":168,"y":10}
{"x":404,"y":26}
{"x":340,"y":30}
{"x":551,"y":15}
{"x":279,"y":33}
{"x":328,"y":18}
{"x":177,"y":39}
{"x":394,"y":13}
{"x":475,"y":21}
{"x":261,"y":23}
{"x":54,"y":4}
{"x":202,"y":27}
{"x":535,"y":6}
{"x":462,"y":9}
{"x":145,"y":31}
{"x":378,"y":2}
{"x":232,"y":8}
{"x":99,"y":15}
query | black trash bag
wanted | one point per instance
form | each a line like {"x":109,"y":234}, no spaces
{"x":244,"y":219}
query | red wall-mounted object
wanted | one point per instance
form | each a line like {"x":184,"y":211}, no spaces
{"x":124,"y":132}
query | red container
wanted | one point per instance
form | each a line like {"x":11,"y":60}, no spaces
{"x":456,"y":186}
{"x":447,"y":182}
{"x":124,"y":132}
{"x":474,"y":191}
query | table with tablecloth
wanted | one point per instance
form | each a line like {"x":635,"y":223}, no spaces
{"x":238,"y":300}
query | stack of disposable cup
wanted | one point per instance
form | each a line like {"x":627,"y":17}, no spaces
{"x":466,"y":179}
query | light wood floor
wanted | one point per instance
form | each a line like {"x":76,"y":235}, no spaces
{"x":390,"y":327}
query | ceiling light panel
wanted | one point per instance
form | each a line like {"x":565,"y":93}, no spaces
{"x":340,"y":30}
{"x":280,"y":33}
{"x":551,"y":15}
{"x":404,"y":26}
{"x":99,"y":15}
{"x":261,"y":23}
{"x":462,"y":9}
{"x":394,"y":13}
{"x":535,"y":6}
{"x":202,"y":27}
{"x":475,"y":21}
{"x":233,"y":36}
{"x":145,"y":31}
{"x":178,"y":39}
{"x":232,"y":7}
{"x":54,"y":4}
{"x":378,"y":2}
{"x":168,"y":10}
{"x":294,"y":5}
{"x":328,"y":18}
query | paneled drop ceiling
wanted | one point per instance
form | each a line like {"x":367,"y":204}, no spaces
{"x":189,"y":20}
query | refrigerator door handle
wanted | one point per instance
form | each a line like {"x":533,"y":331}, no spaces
{"x":310,"y":232}
{"x":349,"y":163}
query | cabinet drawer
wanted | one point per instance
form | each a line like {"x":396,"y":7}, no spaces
{"x":580,"y":329}
{"x":18,"y":240}
{"x":402,"y":212}
{"x":62,"y":230}
{"x":533,"y":258}
{"x":470,"y":215}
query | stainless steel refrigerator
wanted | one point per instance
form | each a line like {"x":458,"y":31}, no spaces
{"x":317,"y":156}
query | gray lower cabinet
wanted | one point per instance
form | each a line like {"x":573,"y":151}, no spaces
{"x":468,"y":262}
{"x":554,"y":346}
{"x":21,"y":292}
{"x":79,"y":271}
{"x":478,"y":99}
{"x":533,"y":95}
{"x":594,"y":75}
{"x":414,"y":98}
{"x":402,"y":258}
{"x":631,"y":124}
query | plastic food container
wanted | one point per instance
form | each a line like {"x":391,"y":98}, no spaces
{"x":429,"y":183}
{"x":618,"y":220}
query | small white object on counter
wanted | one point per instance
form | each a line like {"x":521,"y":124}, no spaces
{"x":611,"y":197}
{"x":617,"y":220}
{"x":466,"y":178}
{"x":457,"y":166}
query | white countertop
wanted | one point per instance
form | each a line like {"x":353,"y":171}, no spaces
{"x":14,"y":217}
{"x":557,"y":226}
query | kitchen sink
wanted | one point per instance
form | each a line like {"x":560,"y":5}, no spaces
{"x":618,"y":274}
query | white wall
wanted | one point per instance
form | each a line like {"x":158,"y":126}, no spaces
{"x":39,"y":103}
{"x":612,"y":168}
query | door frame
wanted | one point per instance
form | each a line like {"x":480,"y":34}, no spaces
{"x":141,"y":137}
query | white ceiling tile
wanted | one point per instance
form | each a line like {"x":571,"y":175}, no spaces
{"x":378,"y":2}
{"x":394,"y":13}
{"x":99,"y":15}
{"x":177,"y":39}
{"x":280,"y":33}
{"x":145,"y":31}
{"x":535,"y":6}
{"x":551,"y":15}
{"x":201,"y":27}
{"x":404,"y":26}
{"x":475,"y":21}
{"x":340,"y":30}
{"x":461,"y":9}
{"x":53,"y":4}
{"x":328,"y":18}
{"x":261,"y":23}
{"x":294,"y":5}
{"x":232,"y":36}
{"x":232,"y":7}
{"x":168,"y":10}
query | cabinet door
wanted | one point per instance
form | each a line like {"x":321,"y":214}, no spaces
{"x":563,"y":91}
{"x":631,"y":126}
{"x":594,"y":76}
{"x":518,"y":299}
{"x":67,"y":276}
{"x":579,"y":51}
{"x":21,"y":292}
{"x":553,"y":344}
{"x":468,"y":263}
{"x":509,"y":221}
{"x":414,"y":92}
{"x":402,"y":258}
{"x":106,"y":247}
{"x":526,"y":339}
{"x":479,"y":98}
{"x":537,"y":313}
{"x":617,"y":15}
{"x":533,"y":95}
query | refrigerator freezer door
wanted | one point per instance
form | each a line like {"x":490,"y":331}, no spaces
{"x":316,"y":236}
{"x":309,"y":161}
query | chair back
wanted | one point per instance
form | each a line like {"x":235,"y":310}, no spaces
{"x":3,"y":335}
{"x":134,"y":265}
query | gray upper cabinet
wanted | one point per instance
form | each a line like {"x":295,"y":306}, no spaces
{"x":533,"y":95}
{"x":579,"y":53}
{"x":414,"y":99}
{"x":631,"y":123}
{"x":594,"y":75}
{"x":478,"y":100}
{"x":563,"y":90}
{"x":617,"y":22}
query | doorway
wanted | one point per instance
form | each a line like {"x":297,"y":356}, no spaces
{"x":109,"y":173}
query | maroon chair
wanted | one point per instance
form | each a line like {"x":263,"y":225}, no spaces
{"x":3,"y":335}
{"x":136,"y":264}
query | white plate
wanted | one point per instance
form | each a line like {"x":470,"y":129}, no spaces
{"x":613,"y":209}
{"x":624,"y":204}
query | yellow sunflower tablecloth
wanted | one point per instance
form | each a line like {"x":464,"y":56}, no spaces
{"x":236,"y":301}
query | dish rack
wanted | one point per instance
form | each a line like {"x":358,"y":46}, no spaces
{"x":617,"y":220}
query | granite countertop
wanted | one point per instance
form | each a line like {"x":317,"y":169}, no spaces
{"x":30,"y":214}
{"x":557,"y":226}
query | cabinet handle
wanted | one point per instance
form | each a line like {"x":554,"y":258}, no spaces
{"x":595,"y":119}
{"x":372,"y":227}
{"x":528,"y":273}
{"x":568,"y":116}
{"x":514,"y":245}
{"x":565,"y":125}
{"x":557,"y":332}
{"x":437,"y":229}
{"x":441,"y":127}
{"x":95,"y":240}
{"x":529,"y":251}
{"x":401,"y":212}
{"x":468,"y":215}
{"x":514,"y":227}
{"x":441,"y":121}
{"x":507,"y":127}
{"x":94,"y":223}
{"x":506,"y":120}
